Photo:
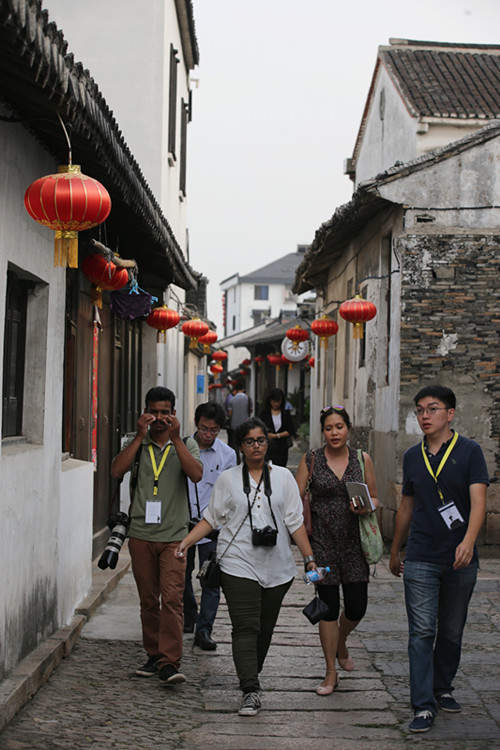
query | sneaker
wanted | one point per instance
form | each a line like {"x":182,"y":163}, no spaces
{"x":448,"y":703}
{"x":149,"y":668}
{"x":250,"y":705}
{"x":169,"y":675}
{"x":422,"y":721}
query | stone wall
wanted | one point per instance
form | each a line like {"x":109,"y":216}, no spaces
{"x":450,"y":334}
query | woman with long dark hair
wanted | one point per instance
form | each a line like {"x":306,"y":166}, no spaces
{"x":257,"y":507}
{"x":280,"y":427}
{"x":335,"y":535}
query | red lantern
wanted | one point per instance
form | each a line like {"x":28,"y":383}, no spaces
{"x":311,"y":362}
{"x":162,"y":318}
{"x":296,"y":335}
{"x":207,"y":340}
{"x":286,"y":361}
{"x":324,"y":327}
{"x":275,"y":360}
{"x":246,"y":362}
{"x":104,"y":274}
{"x":357,"y":311}
{"x":259,"y":358}
{"x":219,"y":356}
{"x":216,"y":370}
{"x":194,"y":329}
{"x":67,"y":202}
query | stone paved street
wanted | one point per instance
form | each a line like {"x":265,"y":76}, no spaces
{"x":94,"y":700}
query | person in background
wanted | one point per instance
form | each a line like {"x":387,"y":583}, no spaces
{"x":258,"y":508}
{"x":445,"y":481}
{"x":216,"y":457}
{"x":159,"y":518}
{"x":335,"y":536}
{"x":238,"y":409}
{"x":280,"y":426}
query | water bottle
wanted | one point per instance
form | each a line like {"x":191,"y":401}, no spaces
{"x":315,"y":575}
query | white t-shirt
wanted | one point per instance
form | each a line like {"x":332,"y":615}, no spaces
{"x":270,"y":566}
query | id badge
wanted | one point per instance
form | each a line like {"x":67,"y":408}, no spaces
{"x":153,"y":511}
{"x":451,"y":516}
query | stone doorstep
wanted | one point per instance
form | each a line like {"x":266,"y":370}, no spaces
{"x":36,"y":668}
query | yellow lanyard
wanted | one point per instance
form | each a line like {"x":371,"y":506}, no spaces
{"x":157,"y":470}
{"x":443,"y":461}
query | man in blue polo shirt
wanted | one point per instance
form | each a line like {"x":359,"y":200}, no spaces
{"x":443,"y":506}
{"x":216,"y":456}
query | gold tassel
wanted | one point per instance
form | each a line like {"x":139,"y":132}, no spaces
{"x":358,"y":331}
{"x":66,"y":248}
{"x":96,"y":295}
{"x":193,"y":343}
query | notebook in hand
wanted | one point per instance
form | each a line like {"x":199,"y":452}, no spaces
{"x":360,"y":495}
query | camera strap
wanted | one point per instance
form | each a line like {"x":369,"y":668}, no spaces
{"x":267,"y":490}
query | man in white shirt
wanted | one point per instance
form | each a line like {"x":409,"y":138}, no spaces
{"x":216,"y":456}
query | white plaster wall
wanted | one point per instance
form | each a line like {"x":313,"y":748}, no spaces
{"x":126,"y":48}
{"x":75,"y":549}
{"x":469,"y":179}
{"x":30,"y":501}
{"x":386,"y":140}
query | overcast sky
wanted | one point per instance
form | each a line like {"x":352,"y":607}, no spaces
{"x":282,"y":86}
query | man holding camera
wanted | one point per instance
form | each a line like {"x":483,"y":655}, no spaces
{"x":216,"y":457}
{"x":159,"y":517}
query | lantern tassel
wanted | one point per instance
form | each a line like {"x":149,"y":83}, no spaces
{"x":193,"y":343}
{"x":161,"y":337}
{"x":96,"y":296}
{"x":357,"y":331}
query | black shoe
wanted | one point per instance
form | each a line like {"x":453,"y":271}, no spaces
{"x":189,"y":627}
{"x":448,"y":703}
{"x":203,"y":640}
{"x":169,"y":675}
{"x":149,"y":668}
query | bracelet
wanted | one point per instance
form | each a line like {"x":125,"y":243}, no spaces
{"x":308,"y":559}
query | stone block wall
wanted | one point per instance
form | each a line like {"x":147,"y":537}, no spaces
{"x":450,"y":334}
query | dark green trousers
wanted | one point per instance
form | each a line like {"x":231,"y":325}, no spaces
{"x":253,"y":611}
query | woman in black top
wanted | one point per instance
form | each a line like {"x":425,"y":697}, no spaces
{"x":279,"y":423}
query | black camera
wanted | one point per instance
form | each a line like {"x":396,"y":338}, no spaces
{"x":265,"y":537}
{"x":212,"y":535}
{"x":118,"y":524}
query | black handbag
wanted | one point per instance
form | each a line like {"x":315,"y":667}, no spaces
{"x":209,"y":574}
{"x":315,"y":610}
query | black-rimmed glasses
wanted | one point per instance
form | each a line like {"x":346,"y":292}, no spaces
{"x":250,"y":442}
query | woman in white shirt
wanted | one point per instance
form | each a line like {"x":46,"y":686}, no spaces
{"x":257,"y":508}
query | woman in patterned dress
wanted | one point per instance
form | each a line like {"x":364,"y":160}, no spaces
{"x":335,"y":536}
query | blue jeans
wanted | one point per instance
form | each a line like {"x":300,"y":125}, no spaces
{"x":209,"y":597}
{"x":437,"y":599}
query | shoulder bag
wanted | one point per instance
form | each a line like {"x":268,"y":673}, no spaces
{"x":369,"y":530}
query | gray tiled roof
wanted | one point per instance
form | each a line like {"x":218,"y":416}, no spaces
{"x":281,"y":271}
{"x":439,"y":80}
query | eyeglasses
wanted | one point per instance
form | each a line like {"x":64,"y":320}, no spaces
{"x":209,"y":430}
{"x":430,"y":410}
{"x":331,"y":408}
{"x":250,"y":442}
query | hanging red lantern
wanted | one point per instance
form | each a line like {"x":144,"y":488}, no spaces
{"x":296,"y":335}
{"x":357,"y":311}
{"x":311,"y":362}
{"x":286,"y":361}
{"x":103,"y":274}
{"x":275,"y":360}
{"x":324,"y":327}
{"x":216,"y":370}
{"x":208,"y":340}
{"x":246,"y":362}
{"x":219,"y":356}
{"x":259,"y":358}
{"x":194,"y":328}
{"x":67,"y":202}
{"x":162,"y":318}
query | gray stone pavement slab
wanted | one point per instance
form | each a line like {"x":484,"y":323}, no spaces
{"x":94,"y":699}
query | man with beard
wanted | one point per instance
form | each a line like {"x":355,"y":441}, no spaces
{"x":159,"y":519}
